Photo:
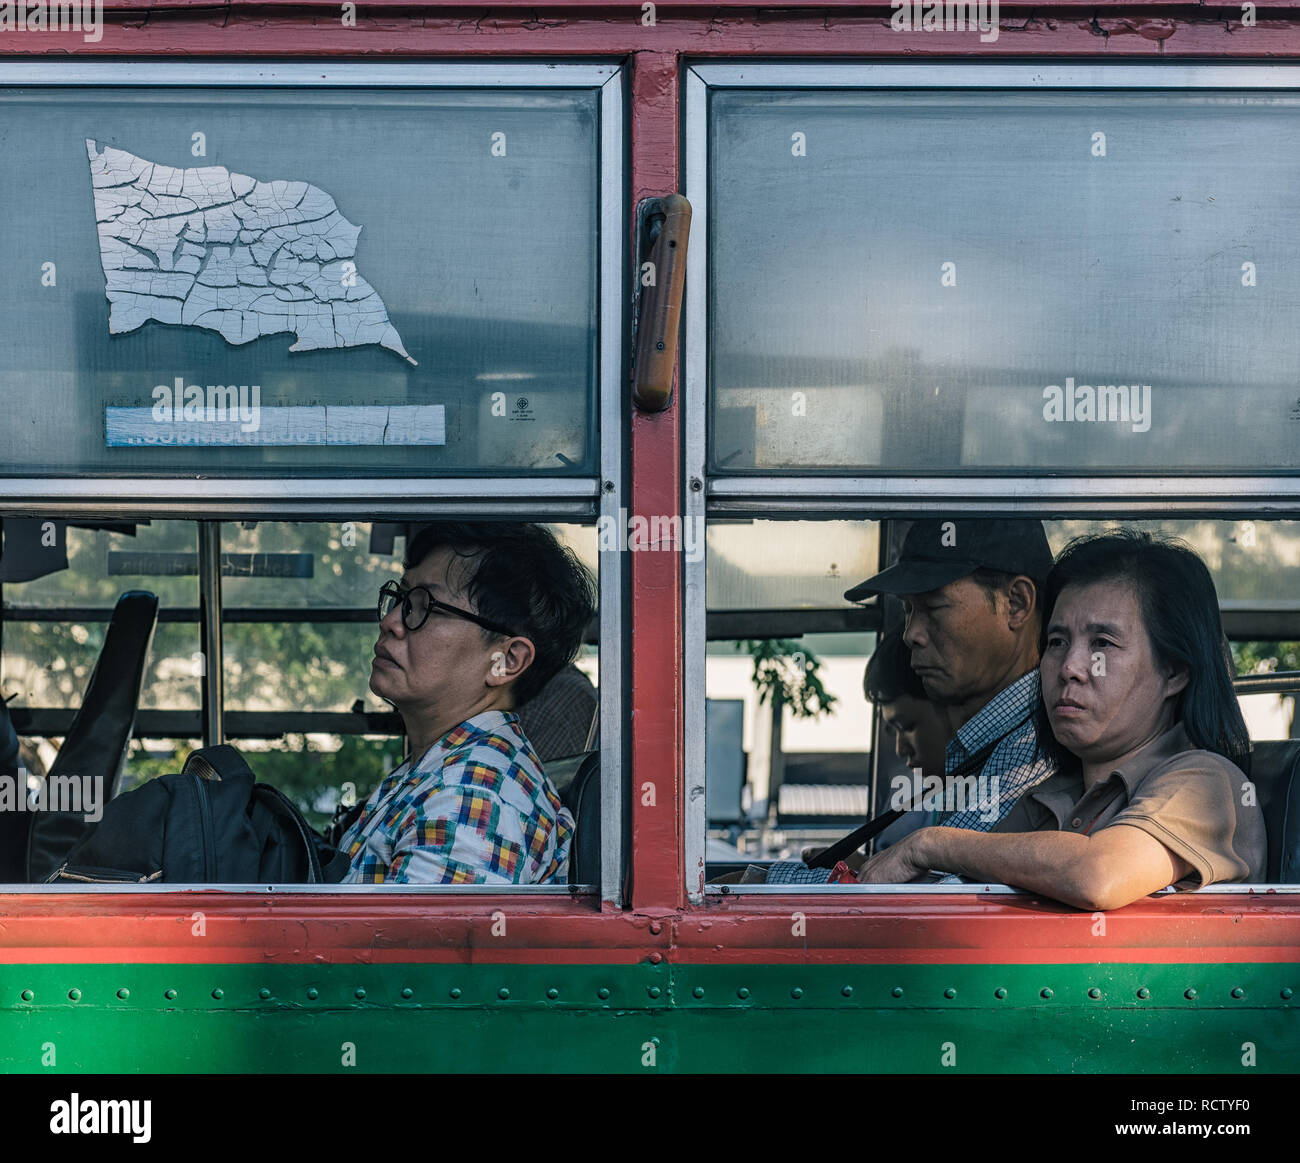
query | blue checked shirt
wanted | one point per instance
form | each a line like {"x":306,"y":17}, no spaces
{"x":1015,"y":761}
{"x":475,"y":809}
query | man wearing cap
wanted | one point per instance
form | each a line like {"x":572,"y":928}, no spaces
{"x":970,"y":590}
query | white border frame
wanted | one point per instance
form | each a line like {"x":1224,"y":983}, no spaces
{"x":882,"y":496}
{"x":542,"y":499}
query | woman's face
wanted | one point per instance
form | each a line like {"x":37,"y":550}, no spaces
{"x":1104,"y":692}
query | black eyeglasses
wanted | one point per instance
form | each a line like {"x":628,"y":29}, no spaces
{"x":418,"y":603}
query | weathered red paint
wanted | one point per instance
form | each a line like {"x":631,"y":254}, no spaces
{"x":194,"y":30}
{"x":656,"y":785}
{"x":972,"y":929}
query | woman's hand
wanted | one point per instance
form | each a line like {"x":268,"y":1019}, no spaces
{"x":899,"y":863}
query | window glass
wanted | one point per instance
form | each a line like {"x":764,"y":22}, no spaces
{"x":881,"y":299}
{"x":439,"y":328}
{"x":1253,"y":563}
{"x":787,"y":564}
{"x":299,"y":662}
{"x":773,"y":788}
{"x":48,"y":655}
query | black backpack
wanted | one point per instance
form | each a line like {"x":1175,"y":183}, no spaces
{"x":211,"y":823}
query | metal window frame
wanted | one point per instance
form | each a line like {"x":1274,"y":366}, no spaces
{"x":534,"y":498}
{"x":829,"y":495}
{"x":264,"y":493}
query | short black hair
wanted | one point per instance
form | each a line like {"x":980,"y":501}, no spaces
{"x":889,"y":673}
{"x":1180,"y":612}
{"x":996,"y":581}
{"x":519,"y":576}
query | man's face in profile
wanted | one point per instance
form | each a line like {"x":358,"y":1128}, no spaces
{"x":920,"y":735}
{"x":959,"y":640}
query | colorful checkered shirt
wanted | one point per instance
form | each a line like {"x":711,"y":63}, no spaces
{"x":476,"y":809}
{"x":1008,"y":716}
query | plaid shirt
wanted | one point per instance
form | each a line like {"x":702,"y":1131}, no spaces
{"x":476,"y":809}
{"x":1015,"y":760}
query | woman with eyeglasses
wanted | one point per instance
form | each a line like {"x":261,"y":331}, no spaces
{"x":483,"y":616}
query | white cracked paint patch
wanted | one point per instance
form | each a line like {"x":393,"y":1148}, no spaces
{"x":207,"y":248}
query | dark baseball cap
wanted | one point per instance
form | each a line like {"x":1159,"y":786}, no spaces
{"x":938,"y":552}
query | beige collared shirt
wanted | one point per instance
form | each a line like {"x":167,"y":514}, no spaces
{"x":1198,"y":804}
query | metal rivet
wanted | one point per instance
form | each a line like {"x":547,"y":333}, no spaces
{"x":796,"y":993}
{"x":1237,"y":991}
{"x":656,"y":928}
{"x":454,"y":993}
{"x":124,"y":993}
{"x":264,"y":993}
{"x":1286,"y":993}
{"x":698,"y":991}
{"x":897,"y":991}
{"x":950,"y":992}
{"x":847,"y":991}
{"x":359,"y":992}
{"x":602,"y":992}
{"x":1094,"y":993}
{"x":74,"y":995}
{"x":655,"y":958}
{"x":169,"y":994}
{"x":999,"y":993}
{"x":503,"y":993}
{"x":742,"y":993}
{"x":1189,"y":994}
{"x":218,"y":993}
{"x":552,"y":993}
{"x":1144,"y":993}
{"x":28,"y":995}
{"x":312,"y":993}
{"x":654,"y":991}
{"x":407,"y":991}
{"x":1046,"y":993}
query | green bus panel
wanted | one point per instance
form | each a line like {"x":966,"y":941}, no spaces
{"x":978,"y":1019}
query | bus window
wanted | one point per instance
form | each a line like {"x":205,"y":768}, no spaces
{"x":302,"y":357}
{"x":876,"y":330}
{"x":435,"y":347}
{"x":814,"y":772}
{"x":901,"y":310}
{"x":780,"y":632}
{"x":296,"y":637}
{"x":54,"y":627}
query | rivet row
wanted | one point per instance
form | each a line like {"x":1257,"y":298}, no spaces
{"x":603,"y":992}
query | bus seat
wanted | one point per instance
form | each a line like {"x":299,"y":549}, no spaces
{"x":577,"y":779}
{"x":97,"y":741}
{"x":1273,"y":770}
{"x":13,"y":825}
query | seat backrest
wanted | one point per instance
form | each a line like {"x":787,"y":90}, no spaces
{"x":577,"y":779}
{"x":95,"y":746}
{"x":1273,"y":771}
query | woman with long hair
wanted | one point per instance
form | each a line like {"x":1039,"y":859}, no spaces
{"x":1152,"y":787}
